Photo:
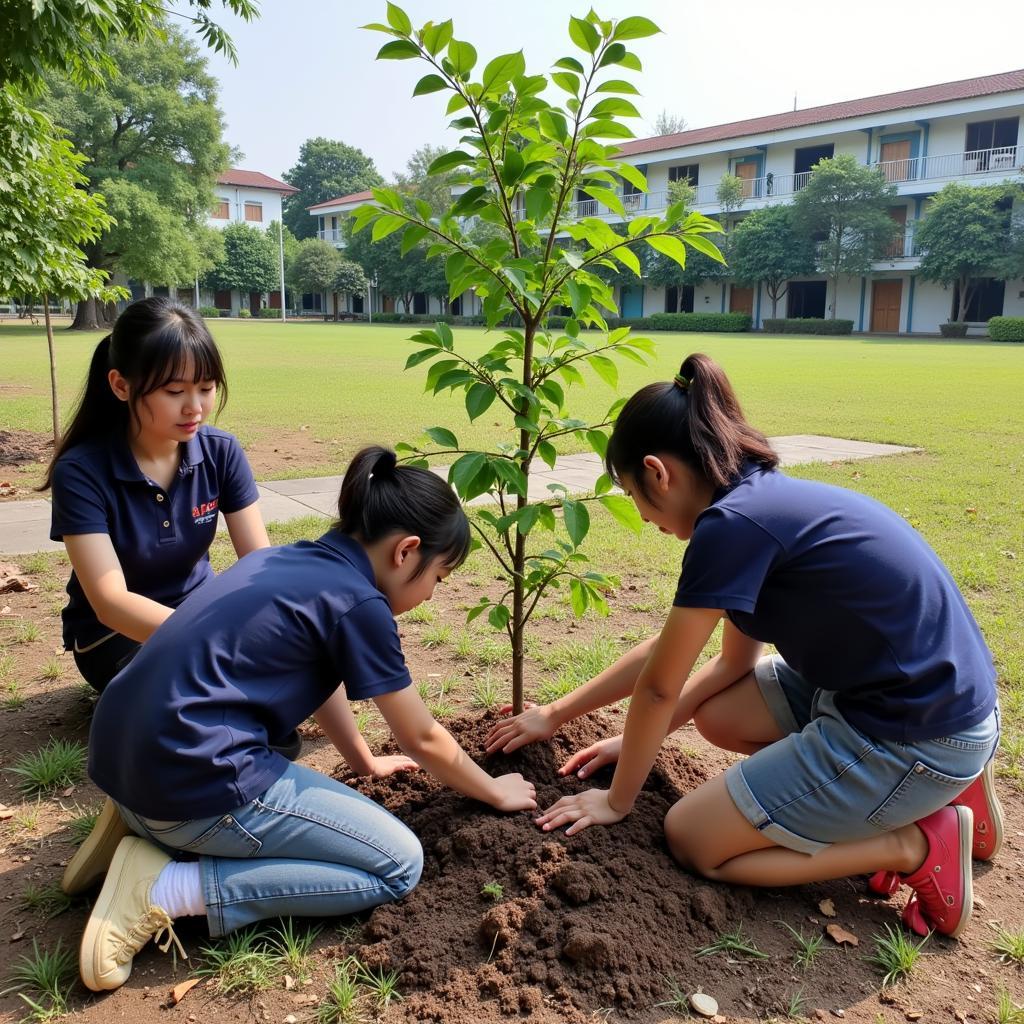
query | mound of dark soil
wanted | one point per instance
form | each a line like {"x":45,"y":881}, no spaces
{"x":20,"y":447}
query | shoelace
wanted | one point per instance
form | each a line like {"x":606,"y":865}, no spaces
{"x":158,"y":924}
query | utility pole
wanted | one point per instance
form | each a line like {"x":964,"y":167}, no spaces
{"x":280,"y":245}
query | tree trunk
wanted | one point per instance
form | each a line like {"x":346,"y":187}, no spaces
{"x":963,"y":297}
{"x":90,"y":316}
{"x":835,"y":296}
{"x":335,"y":296}
{"x":775,"y":304}
{"x":53,"y":372}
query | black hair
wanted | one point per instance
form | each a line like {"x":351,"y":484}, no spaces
{"x":379,"y":497}
{"x":695,"y":417}
{"x":153,"y":342}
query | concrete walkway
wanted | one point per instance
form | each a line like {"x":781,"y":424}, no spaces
{"x":25,"y":525}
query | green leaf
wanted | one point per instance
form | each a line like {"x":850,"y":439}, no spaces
{"x":546,"y":450}
{"x":399,"y":20}
{"x":526,"y":424}
{"x":628,"y":258}
{"x":579,"y":296}
{"x":606,"y":196}
{"x":387,"y":225}
{"x":603,"y":484}
{"x":498,"y":616}
{"x":398,"y":49}
{"x":597,"y":439}
{"x":607,"y":129}
{"x":444,"y":333}
{"x":463,"y":471}
{"x":414,"y":234}
{"x":442,"y":436}
{"x":546,"y":517}
{"x":553,"y":124}
{"x":462,"y":57}
{"x":614,"y":106}
{"x":447,"y":161}
{"x":618,"y":85}
{"x":576,"y":519}
{"x":584,"y":35}
{"x":566,"y":81}
{"x":500,"y":71}
{"x":635,"y":28}
{"x":570,"y":64}
{"x":632,"y":175}
{"x":605,"y":369}
{"x":571,"y":374}
{"x":577,"y":597}
{"x":429,"y":83}
{"x":420,"y":357}
{"x":613,"y":55}
{"x":538,"y":203}
{"x":457,"y":102}
{"x":670,"y":246}
{"x":437,"y":37}
{"x":479,"y":399}
{"x":623,"y":509}
{"x":631,"y":61}
{"x":701,"y":244}
{"x":512,"y":168}
{"x":478,"y":609}
{"x":511,"y":475}
{"x":441,"y":367}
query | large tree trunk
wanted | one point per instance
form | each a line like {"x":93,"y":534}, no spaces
{"x":964,"y":298}
{"x":91,"y":315}
{"x":53,"y":373}
{"x":835,"y":296}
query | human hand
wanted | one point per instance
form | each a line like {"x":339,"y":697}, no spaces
{"x":582,"y":810}
{"x":597,"y":755}
{"x":533,"y":724}
{"x":514,"y":793}
{"x":384,"y":766}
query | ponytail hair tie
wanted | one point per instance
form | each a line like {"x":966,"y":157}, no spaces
{"x":681,"y":382}
{"x":385,"y":466}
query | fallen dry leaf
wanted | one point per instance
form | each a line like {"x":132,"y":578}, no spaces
{"x":12,"y":580}
{"x":841,"y":936}
{"x":828,"y":908}
{"x":6,"y":812}
{"x":67,"y":792}
{"x":181,"y":990}
{"x":18,"y":935}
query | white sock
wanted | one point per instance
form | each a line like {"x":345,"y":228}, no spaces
{"x":179,"y":890}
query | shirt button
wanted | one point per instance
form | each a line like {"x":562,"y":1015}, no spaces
{"x":159,"y":497}
{"x":167,"y":523}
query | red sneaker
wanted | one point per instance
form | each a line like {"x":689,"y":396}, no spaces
{"x":942,"y":885}
{"x":912,"y":917}
{"x":980,"y":797}
{"x":884,"y":883}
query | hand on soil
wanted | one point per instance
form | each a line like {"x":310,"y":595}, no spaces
{"x":532,"y":725}
{"x":387,"y":765}
{"x":515,"y":793}
{"x":588,"y":808}
{"x":587,"y":761}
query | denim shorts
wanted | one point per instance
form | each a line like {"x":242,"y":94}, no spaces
{"x":827,"y":782}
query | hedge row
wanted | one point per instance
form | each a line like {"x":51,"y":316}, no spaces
{"x":809,"y":325}
{"x":1006,"y":328}
{"x":705,"y":322}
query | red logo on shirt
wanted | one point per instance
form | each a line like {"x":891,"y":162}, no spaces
{"x":205,"y":510}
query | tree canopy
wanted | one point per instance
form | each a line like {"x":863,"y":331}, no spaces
{"x":326,"y":168}
{"x":766,"y":247}
{"x":251,"y":261}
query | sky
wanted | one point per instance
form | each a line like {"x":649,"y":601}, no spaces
{"x":306,"y":68}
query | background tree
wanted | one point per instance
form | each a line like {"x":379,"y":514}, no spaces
{"x":349,"y":278}
{"x":325,"y":169}
{"x":315,"y":267}
{"x":847,"y":206}
{"x":398,"y":273}
{"x":669,"y":124}
{"x":730,"y":193}
{"x":966,"y":235}
{"x":153,"y":139}
{"x":251,"y":261}
{"x":765,"y":247}
{"x":416,"y":181}
{"x":523,"y":162}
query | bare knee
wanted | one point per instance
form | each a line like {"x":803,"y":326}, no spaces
{"x":680,"y":828}
{"x":716,"y":721}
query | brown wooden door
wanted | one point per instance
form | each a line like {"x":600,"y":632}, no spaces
{"x":747,"y":171}
{"x":886,"y":299}
{"x":741,"y":300}
{"x":895,"y":159}
{"x":254,"y":303}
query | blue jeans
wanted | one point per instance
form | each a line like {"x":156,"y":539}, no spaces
{"x":307,"y":846}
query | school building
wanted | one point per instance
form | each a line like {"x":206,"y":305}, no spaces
{"x":967,"y":131}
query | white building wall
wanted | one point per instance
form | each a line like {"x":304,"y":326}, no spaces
{"x":1013,"y":303}
{"x":237,"y":197}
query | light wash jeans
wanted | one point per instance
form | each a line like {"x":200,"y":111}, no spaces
{"x":308,"y":846}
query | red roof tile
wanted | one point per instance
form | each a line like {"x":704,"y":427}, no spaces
{"x":254,"y":179}
{"x":354,"y":197}
{"x":987,"y":85}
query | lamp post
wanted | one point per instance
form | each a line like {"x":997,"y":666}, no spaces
{"x":370,"y":283}
{"x":280,"y":245}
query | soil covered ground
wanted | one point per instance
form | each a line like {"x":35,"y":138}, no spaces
{"x":508,"y":922}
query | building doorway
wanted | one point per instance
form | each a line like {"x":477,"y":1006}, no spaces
{"x":679,"y":300}
{"x":806,"y":300}
{"x":886,"y":300}
{"x":741,"y":300}
{"x":631,"y":301}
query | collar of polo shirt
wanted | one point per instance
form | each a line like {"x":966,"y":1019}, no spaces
{"x":126,"y":468}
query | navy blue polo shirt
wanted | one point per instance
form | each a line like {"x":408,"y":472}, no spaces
{"x":852,"y":597}
{"x":184,"y":730}
{"x":162,"y":537}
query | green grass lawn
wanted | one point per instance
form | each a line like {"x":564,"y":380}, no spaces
{"x":961,"y":402}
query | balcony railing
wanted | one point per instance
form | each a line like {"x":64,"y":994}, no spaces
{"x":951,"y":165}
{"x":335,"y":235}
{"x":901,"y":247}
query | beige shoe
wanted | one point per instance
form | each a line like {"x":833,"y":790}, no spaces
{"x":93,"y":857}
{"x":123,"y":919}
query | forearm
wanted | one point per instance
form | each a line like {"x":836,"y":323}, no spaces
{"x":718,"y":674}
{"x":339,"y":725}
{"x":614,"y":683}
{"x":132,"y":615}
{"x":437,"y":752}
{"x":647,"y":724}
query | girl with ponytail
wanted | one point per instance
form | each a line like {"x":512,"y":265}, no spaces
{"x":138,"y":481}
{"x":870,"y":733}
{"x":181,"y":737}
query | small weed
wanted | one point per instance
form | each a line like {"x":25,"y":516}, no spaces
{"x":1011,"y":760}
{"x":13,"y":699}
{"x":735,"y":943}
{"x":6,"y":665}
{"x":342,"y":1005}
{"x":437,"y":636}
{"x":53,"y":669}
{"x":447,"y":684}
{"x":35,"y":564}
{"x":242,"y":962}
{"x":423,"y":689}
{"x":293,"y":947}
{"x":421,"y":613}
{"x":348,"y":932}
{"x":1009,"y":945}
{"x":1007,"y":1011}
{"x":27,"y":632}
{"x":441,"y":708}
{"x":796,"y":1005}
{"x":464,"y":646}
{"x":488,"y":651}
{"x":81,"y":827}
{"x":807,"y":947}
{"x":48,"y":900}
{"x":551,"y":689}
{"x":363,"y":720}
{"x":59,"y":763}
{"x":575,"y":662}
{"x":895,"y":955}
{"x":28,"y":819}
{"x":383,"y":985}
{"x":493,"y":890}
{"x":485,"y":692}
{"x":44,"y":981}
{"x":678,"y":1000}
